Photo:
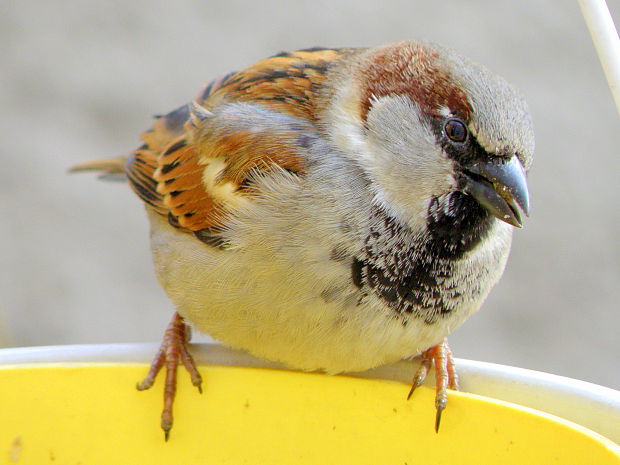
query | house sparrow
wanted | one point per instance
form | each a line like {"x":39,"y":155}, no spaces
{"x":333,"y":209}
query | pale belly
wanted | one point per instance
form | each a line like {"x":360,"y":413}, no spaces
{"x":305,"y":313}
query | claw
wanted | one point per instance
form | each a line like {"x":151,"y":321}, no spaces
{"x":438,"y":418}
{"x":173,"y":350}
{"x":440,"y":405}
{"x":420,"y":376}
{"x":445,"y":376}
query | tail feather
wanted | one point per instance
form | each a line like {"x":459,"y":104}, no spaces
{"x":110,"y":169}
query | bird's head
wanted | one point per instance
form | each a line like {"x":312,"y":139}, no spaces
{"x":435,"y":133}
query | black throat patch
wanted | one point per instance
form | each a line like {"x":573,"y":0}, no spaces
{"x":414,"y":273}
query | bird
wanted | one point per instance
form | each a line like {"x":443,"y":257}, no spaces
{"x":333,"y":209}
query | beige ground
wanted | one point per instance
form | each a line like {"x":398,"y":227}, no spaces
{"x":79,"y":80}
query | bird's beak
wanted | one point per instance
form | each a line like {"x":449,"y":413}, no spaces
{"x":501,"y":188}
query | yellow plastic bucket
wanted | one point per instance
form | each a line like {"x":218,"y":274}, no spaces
{"x":90,"y":413}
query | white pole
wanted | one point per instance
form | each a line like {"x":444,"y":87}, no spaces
{"x":606,"y":41}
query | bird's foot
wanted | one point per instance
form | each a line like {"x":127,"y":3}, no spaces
{"x":445,"y":376}
{"x":173,"y":350}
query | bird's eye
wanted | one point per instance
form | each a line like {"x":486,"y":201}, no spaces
{"x":456,"y":130}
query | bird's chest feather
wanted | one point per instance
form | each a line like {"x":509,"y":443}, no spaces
{"x":314,"y":298}
{"x":434,"y":273}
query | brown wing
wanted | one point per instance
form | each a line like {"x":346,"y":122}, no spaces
{"x":196,"y":181}
{"x":285,"y":82}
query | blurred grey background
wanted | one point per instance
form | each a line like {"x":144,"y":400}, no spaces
{"x":80,"y":80}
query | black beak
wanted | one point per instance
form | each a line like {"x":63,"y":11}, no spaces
{"x":501,"y":188}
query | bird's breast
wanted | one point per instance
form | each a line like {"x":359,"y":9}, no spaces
{"x":307,"y":282}
{"x":429,"y":276}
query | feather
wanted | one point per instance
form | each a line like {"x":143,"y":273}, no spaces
{"x":197,"y":162}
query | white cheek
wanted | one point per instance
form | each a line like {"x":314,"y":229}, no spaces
{"x":398,"y":152}
{"x":407,"y":182}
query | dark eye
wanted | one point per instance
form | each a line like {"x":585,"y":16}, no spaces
{"x":456,"y":130}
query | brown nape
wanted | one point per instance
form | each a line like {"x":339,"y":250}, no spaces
{"x":412,"y":70}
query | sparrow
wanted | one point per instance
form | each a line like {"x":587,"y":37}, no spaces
{"x":333,"y":209}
